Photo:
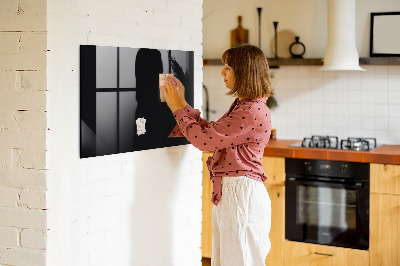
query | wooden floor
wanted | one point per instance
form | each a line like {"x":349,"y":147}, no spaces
{"x":206,"y":261}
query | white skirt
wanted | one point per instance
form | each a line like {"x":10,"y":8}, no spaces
{"x":241,"y":223}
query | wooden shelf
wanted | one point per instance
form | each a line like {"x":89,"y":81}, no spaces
{"x":294,"y":62}
{"x":380,"y":61}
{"x":273,"y":63}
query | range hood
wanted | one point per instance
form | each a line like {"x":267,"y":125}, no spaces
{"x":341,"y":51}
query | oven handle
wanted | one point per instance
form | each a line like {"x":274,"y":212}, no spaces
{"x":357,"y":185}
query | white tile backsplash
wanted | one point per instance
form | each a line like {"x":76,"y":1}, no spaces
{"x":367,"y":123}
{"x":381,"y":110}
{"x":329,"y":109}
{"x":393,"y":71}
{"x":342,"y":122}
{"x":342,"y":109}
{"x":394,"y":124}
{"x":394,"y":136}
{"x":382,"y":136}
{"x":367,"y":97}
{"x":381,"y":122}
{"x":345,"y":103}
{"x":380,"y":71}
{"x":394,"y":97}
{"x":304,"y":82}
{"x":381,"y":83}
{"x":292,"y":83}
{"x":367,"y":110}
{"x":394,"y":110}
{"x":381,"y":96}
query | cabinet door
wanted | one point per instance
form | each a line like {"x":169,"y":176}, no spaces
{"x":385,"y":178}
{"x":274,"y":168}
{"x":304,"y":254}
{"x":384,"y":230}
{"x":277,"y":233}
{"x":206,"y":232}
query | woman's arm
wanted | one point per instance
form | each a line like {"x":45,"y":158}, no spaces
{"x":239,"y":127}
{"x":174,"y":93}
{"x":193,"y":113}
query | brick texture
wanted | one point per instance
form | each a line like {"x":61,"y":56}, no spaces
{"x":23,"y":126}
{"x":17,"y":256}
{"x":33,"y":239}
{"x":33,"y":199}
{"x":23,"y":218}
{"x":9,"y":237}
{"x":8,"y":197}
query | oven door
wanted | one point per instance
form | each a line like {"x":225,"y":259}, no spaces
{"x":327,"y":213}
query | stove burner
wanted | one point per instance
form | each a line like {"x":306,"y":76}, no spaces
{"x":328,"y":142}
{"x":358,"y":144}
{"x":332,"y":142}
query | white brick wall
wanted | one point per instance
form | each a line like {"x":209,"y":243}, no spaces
{"x":34,"y":239}
{"x":9,"y":237}
{"x":23,"y":132}
{"x":140,"y":208}
{"x":113,"y":210}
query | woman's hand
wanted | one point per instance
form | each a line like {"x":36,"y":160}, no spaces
{"x":173,"y":95}
{"x":181,"y":91}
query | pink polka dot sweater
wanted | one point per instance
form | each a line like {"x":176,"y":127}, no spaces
{"x":238,"y":139}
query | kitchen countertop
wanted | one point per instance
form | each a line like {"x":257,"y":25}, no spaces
{"x":389,"y":154}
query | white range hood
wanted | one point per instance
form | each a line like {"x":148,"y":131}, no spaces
{"x":341,"y":51}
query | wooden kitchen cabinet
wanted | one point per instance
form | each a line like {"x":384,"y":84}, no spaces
{"x":305,"y":254}
{"x":274,"y":168}
{"x":206,"y":225}
{"x":385,"y":215}
{"x":384,"y":236}
{"x":385,"y":178}
{"x":277,"y":233}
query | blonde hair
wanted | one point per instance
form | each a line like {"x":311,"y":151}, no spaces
{"x":250,"y":66}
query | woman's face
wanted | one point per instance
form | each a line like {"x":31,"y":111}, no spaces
{"x":229,"y":76}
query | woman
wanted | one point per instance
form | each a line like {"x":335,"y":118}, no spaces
{"x":242,"y":208}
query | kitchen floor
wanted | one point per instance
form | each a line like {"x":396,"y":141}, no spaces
{"x":206,"y":261}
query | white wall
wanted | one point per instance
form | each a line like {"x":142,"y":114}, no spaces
{"x":306,"y":19}
{"x":140,"y":208}
{"x":23,"y":214}
{"x":311,"y":102}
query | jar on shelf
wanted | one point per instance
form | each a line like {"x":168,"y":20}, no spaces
{"x":297,"y":49}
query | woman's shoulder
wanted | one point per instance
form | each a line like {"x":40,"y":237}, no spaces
{"x":259,"y":110}
{"x":256,"y":104}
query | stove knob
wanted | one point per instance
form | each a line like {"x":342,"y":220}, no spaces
{"x":308,"y":166}
{"x":343,"y":168}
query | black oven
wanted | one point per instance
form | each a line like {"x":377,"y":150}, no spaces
{"x":327,"y":202}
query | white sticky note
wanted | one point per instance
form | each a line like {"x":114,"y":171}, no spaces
{"x":141,"y":126}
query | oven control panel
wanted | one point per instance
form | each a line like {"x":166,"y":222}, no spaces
{"x":337,"y":169}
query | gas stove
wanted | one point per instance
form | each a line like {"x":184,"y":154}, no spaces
{"x":332,"y":142}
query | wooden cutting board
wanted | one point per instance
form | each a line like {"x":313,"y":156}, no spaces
{"x":239,"y":35}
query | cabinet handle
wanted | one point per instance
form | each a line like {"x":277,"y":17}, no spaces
{"x":324,"y":254}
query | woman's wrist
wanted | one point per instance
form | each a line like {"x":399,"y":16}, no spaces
{"x":177,"y":107}
{"x":183,"y":104}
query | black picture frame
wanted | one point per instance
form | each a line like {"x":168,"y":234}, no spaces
{"x":381,"y":37}
{"x":118,"y":86}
